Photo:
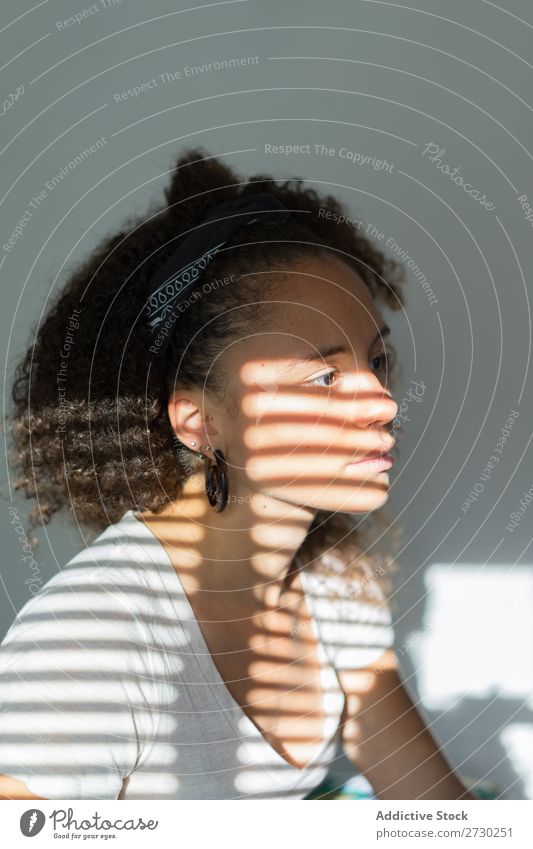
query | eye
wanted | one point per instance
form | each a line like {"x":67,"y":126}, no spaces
{"x":382,"y":362}
{"x":326,"y":376}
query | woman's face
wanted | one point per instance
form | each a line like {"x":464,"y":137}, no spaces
{"x":306,"y":415}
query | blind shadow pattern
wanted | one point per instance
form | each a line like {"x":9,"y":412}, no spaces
{"x":108,"y":690}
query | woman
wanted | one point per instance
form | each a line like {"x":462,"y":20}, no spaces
{"x":213,"y":386}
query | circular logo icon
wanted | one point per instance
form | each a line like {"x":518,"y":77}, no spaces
{"x":31,"y":822}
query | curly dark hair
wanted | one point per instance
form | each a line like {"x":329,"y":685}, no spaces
{"x":99,"y":442}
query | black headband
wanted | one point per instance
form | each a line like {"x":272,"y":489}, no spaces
{"x":169,"y":284}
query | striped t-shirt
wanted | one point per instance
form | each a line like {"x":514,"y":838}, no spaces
{"x":108,"y":689}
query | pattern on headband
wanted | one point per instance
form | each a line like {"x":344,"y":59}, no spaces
{"x":167,"y":286}
{"x":160,"y":304}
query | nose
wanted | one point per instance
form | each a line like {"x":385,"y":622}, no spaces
{"x":374,"y":405}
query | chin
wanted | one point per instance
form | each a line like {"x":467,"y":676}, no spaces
{"x":360,"y":505}
{"x":362,"y":497}
{"x":370,"y":505}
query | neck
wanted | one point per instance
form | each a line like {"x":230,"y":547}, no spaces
{"x":248,"y":549}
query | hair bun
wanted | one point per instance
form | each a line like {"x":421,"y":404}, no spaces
{"x":199,"y":182}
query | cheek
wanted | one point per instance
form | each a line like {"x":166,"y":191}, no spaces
{"x":260,"y":402}
{"x":275,"y":442}
{"x":275,"y":420}
{"x":278,"y":437}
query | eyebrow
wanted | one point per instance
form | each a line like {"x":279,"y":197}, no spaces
{"x":331,"y":350}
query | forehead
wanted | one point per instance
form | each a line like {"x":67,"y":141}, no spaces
{"x":318,"y":301}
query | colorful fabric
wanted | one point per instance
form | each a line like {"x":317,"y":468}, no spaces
{"x":359,"y":788}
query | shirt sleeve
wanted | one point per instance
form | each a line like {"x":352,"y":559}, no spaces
{"x":77,"y":699}
{"x":355,"y":624}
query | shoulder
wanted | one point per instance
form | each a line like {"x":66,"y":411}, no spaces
{"x":82,"y":657}
{"x":105,"y":594}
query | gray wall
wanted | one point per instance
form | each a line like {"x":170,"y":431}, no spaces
{"x":373,"y":78}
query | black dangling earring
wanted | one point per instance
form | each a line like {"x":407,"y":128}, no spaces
{"x":216,"y":482}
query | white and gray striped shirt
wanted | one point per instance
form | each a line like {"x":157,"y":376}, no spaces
{"x":108,"y":689}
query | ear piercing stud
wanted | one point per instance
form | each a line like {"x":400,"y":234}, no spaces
{"x":193,"y":444}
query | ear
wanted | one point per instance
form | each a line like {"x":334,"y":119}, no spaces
{"x":190,"y":421}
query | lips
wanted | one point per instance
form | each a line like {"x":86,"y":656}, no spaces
{"x":375,"y":462}
{"x":374,"y":455}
